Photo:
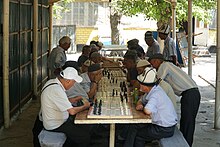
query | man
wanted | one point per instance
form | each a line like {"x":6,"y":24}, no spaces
{"x":141,"y":66}
{"x":76,"y":91}
{"x":57,"y":57}
{"x":133,"y":45}
{"x":57,"y":110}
{"x":183,"y":85}
{"x":130,"y":59}
{"x":85,"y":55}
{"x":169,"y":51}
{"x":153,"y":45}
{"x":155,"y":104}
{"x":91,"y":80}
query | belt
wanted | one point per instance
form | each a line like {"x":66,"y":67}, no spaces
{"x":191,"y":89}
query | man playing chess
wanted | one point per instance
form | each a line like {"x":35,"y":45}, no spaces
{"x":156,"y":104}
{"x":91,"y":79}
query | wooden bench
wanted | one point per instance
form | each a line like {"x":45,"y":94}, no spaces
{"x":176,"y":140}
{"x":51,"y":139}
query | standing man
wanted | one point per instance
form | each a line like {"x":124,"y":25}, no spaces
{"x":57,"y":57}
{"x":153,"y":45}
{"x":183,"y":85}
{"x":57,"y":110}
{"x":169,"y":51}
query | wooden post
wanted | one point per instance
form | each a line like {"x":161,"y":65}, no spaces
{"x":35,"y":47}
{"x":6,"y":63}
{"x":217,"y":93}
{"x":112,"y":135}
{"x":190,"y":38}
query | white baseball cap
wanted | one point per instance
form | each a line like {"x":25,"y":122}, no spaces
{"x":148,"y":77}
{"x":71,"y":73}
{"x":165,"y":29}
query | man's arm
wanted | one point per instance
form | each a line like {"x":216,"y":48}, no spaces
{"x":75,"y":110}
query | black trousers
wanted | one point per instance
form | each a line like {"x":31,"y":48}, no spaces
{"x":137,"y":134}
{"x":190,"y":102}
{"x":38,"y":126}
{"x":77,"y":135}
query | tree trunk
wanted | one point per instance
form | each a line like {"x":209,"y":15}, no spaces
{"x":115,"y":21}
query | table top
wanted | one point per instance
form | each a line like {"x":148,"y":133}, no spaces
{"x":138,"y":117}
{"x":112,"y":81}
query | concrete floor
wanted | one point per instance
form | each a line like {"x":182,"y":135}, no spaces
{"x":20,"y":135}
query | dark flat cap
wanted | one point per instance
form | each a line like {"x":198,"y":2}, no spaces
{"x":94,"y":67}
{"x":149,"y":35}
{"x":156,"y":56}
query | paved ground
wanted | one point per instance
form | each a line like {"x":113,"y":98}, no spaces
{"x":20,"y":135}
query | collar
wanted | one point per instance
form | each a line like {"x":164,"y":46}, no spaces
{"x":58,"y":81}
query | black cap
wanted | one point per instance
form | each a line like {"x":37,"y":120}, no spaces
{"x":73,"y":64}
{"x":156,"y":56}
{"x":94,"y":67}
{"x":149,"y":35}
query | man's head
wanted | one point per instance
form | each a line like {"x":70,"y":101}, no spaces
{"x":68,"y":77}
{"x":94,"y":70}
{"x":156,"y":60}
{"x":73,"y":64}
{"x":65,"y":42}
{"x":141,"y":65}
{"x":86,"y":50}
{"x":130,"y":59}
{"x":148,"y":37}
{"x":147,"y":79}
{"x":132,"y":43}
{"x":96,"y":57}
{"x":163,"y":30}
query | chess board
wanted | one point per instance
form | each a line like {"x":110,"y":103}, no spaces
{"x":112,"y":99}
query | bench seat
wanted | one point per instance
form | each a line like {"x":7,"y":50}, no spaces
{"x":51,"y":139}
{"x":177,"y":140}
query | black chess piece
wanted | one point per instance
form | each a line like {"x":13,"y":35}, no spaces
{"x":100,"y":107}
{"x":113,"y":92}
{"x":116,"y":92}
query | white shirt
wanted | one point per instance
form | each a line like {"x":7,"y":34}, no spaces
{"x":176,"y":77}
{"x":161,"y":107}
{"x":54,"y":105}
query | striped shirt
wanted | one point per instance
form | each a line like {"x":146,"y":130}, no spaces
{"x":176,"y":77}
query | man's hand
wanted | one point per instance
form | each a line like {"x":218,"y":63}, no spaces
{"x":98,"y":77}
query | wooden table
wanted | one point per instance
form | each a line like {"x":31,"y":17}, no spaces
{"x":138,"y":117}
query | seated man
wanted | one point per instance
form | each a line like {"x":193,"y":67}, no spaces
{"x":157,"y":105}
{"x":91,"y":79}
{"x":57,"y":109}
{"x":85,"y":55}
{"x":76,"y":93}
{"x":129,"y":63}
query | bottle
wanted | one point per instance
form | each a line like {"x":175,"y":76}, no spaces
{"x":135,"y":96}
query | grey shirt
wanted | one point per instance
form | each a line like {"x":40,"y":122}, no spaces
{"x":56,"y":59}
{"x":154,"y":49}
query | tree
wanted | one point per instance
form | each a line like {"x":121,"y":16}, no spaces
{"x":60,"y":6}
{"x":160,"y":10}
